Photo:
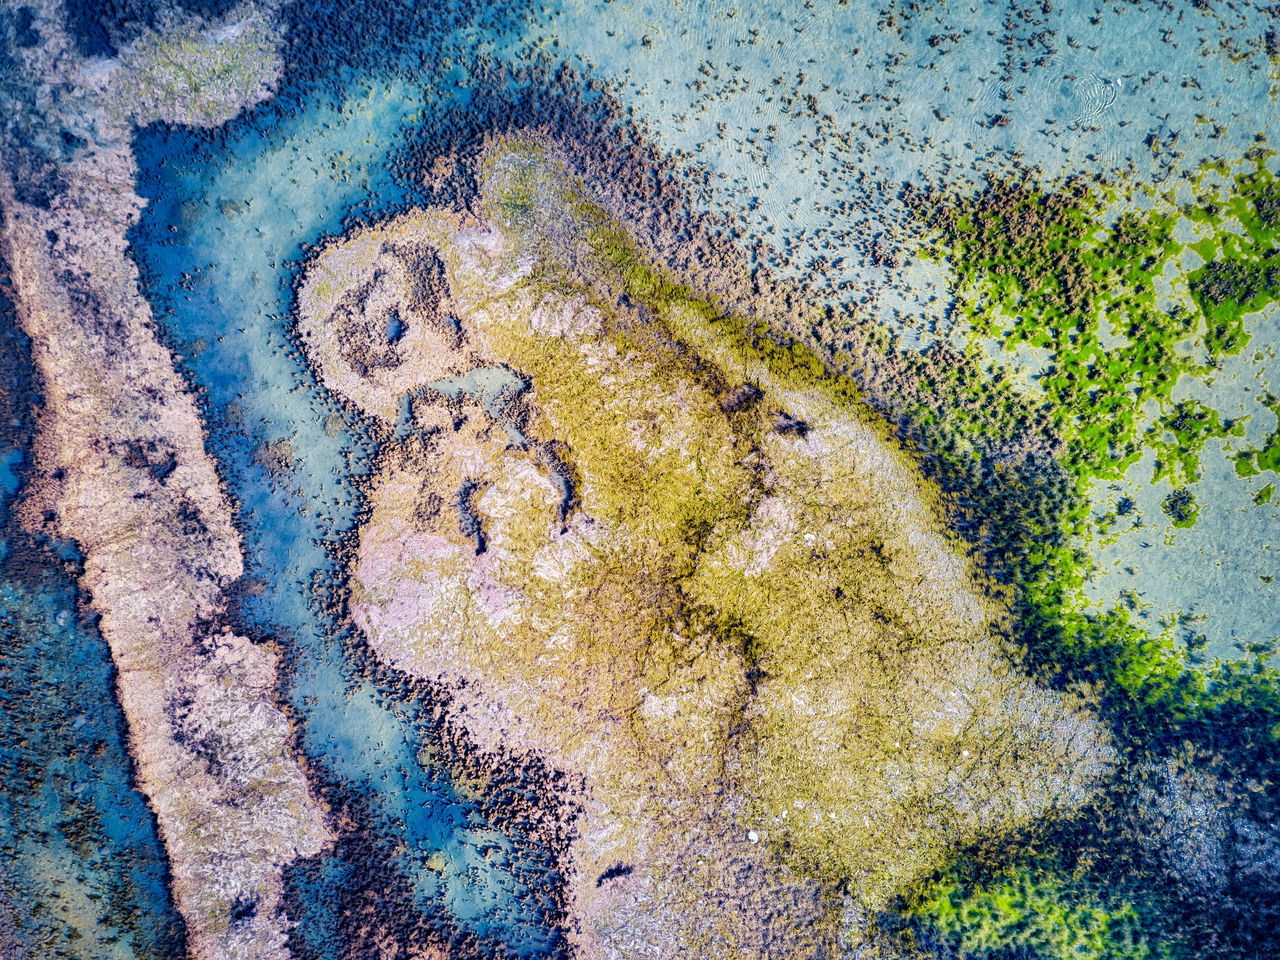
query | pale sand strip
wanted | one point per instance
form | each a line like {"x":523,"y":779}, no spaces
{"x":122,"y":471}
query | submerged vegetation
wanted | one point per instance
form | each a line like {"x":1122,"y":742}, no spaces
{"x":83,"y":868}
{"x":1037,"y":911}
{"x":1251,"y":462}
{"x":1049,"y":270}
{"x":1063,"y":276}
{"x":687,"y":553}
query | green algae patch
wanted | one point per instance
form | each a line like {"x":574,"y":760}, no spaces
{"x":1036,"y":268}
{"x":1253,"y":461}
{"x":688,"y":566}
{"x":1028,"y":909}
{"x":1228,"y":289}
{"x":1245,"y":465}
{"x":1059,"y":271}
{"x":1050,"y":270}
{"x":1243,"y":272}
{"x":1180,"y":435}
{"x":1181,"y":508}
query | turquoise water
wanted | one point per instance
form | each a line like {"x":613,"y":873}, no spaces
{"x":805,"y":122}
{"x":242,"y":212}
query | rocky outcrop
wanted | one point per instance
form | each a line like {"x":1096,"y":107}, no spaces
{"x":716,"y":595}
{"x":122,"y":470}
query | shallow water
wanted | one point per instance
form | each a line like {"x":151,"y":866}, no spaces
{"x":807,"y":121}
{"x":1220,"y":572}
{"x":244,"y":210}
{"x":84,"y":857}
{"x":956,"y":90}
{"x":287,"y":175}
{"x":904,"y":95}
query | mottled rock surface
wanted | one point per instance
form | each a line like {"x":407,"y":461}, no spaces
{"x":717,"y":596}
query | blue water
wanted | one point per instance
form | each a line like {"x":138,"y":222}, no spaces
{"x":82,"y":863}
{"x":219,"y":246}
{"x":232,"y":213}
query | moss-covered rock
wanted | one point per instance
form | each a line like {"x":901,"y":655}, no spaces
{"x":1033,"y":909}
{"x":690,"y":567}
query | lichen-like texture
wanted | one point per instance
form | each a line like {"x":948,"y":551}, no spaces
{"x":695,"y":574}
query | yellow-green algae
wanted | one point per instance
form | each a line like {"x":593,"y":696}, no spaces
{"x":706,"y":581}
{"x":1081,"y":284}
{"x":1048,"y":270}
{"x":1059,"y":271}
{"x":1251,"y":462}
{"x":1019,"y":909}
